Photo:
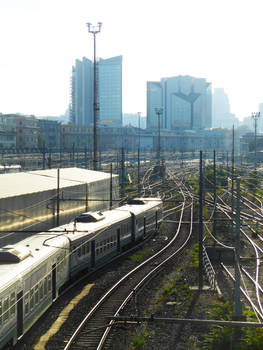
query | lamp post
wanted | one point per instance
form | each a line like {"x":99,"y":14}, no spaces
{"x":94,"y":30}
{"x":139,"y":129}
{"x":139,"y":145}
{"x":159,"y":111}
{"x":255,"y":116}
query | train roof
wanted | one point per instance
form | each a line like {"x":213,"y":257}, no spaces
{"x":18,"y":259}
{"x":90,"y":222}
{"x":17,"y":184}
{"x":138,"y":205}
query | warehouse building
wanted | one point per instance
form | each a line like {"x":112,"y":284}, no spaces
{"x":40,"y":200}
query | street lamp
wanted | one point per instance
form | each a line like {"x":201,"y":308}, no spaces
{"x":94,"y":30}
{"x":139,"y":145}
{"x":139,"y":129}
{"x":255,"y":116}
{"x":159,"y":111}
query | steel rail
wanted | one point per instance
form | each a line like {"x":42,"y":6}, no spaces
{"x":243,"y":292}
{"x":113,"y":288}
{"x":146,"y":280}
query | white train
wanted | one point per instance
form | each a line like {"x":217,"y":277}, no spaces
{"x":32,"y":271}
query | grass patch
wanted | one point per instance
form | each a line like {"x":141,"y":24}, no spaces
{"x":141,"y":255}
{"x":248,"y":338}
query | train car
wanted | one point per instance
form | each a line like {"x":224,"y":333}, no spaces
{"x":147,"y":213}
{"x":31,"y":274}
{"x":33,"y":270}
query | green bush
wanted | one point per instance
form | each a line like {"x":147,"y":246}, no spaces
{"x":138,"y":342}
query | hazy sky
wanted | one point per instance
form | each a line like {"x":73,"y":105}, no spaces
{"x":220,"y":40}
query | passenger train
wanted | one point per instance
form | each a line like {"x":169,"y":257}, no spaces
{"x":33,"y":271}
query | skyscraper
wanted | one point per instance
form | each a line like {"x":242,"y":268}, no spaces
{"x":109,"y":92}
{"x":186,"y":103}
{"x":81,"y":111}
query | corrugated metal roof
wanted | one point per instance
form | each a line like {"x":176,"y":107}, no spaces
{"x":17,"y":184}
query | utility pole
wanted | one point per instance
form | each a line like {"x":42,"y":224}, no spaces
{"x":201,"y":223}
{"x":255,"y":116}
{"x":110,"y":186}
{"x":122,"y":173}
{"x":94,"y":30}
{"x":139,"y":146}
{"x":139,"y":130}
{"x":214,"y":221}
{"x":232,"y":180}
{"x":159,"y":111}
{"x":58,"y":197}
{"x":44,"y":156}
{"x":238,"y":305}
{"x":139,"y":177}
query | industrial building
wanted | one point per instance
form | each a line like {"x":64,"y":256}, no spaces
{"x":41,"y":200}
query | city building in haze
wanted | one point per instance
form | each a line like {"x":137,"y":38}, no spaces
{"x":132,"y":119}
{"x":221,"y":115}
{"x":186,"y":103}
{"x":109,"y":92}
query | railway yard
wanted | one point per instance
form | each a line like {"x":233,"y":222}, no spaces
{"x":157,"y":294}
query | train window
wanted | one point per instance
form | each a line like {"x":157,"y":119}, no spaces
{"x":104,"y":242}
{"x":1,"y":311}
{"x":100,"y":250}
{"x":83,"y":249}
{"x":58,"y":264}
{"x":108,"y":240}
{"x":12,"y":303}
{"x":26,"y":303}
{"x":6,"y":309}
{"x":36,"y":294}
{"x":87,"y":248}
{"x":49,"y":282}
{"x":79,"y":252}
{"x":45,"y":286}
{"x":31,"y":298}
{"x":97,"y":251}
{"x":41,"y":290}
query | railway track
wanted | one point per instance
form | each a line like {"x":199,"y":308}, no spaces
{"x":58,"y":342}
{"x":90,"y":332}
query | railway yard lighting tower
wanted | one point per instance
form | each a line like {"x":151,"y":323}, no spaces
{"x":159,"y":112}
{"x":255,"y":116}
{"x":139,"y":129}
{"x":139,"y":145}
{"x":95,"y":30}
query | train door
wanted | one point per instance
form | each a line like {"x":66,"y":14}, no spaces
{"x":54,"y":281}
{"x":133,"y":227}
{"x":19,"y":299}
{"x":144,"y":227}
{"x":92,"y":257}
{"x":118,"y":240}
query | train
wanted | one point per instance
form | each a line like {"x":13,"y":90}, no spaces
{"x":33,"y":271}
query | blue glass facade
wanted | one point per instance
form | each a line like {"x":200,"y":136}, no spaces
{"x":109,"y":92}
